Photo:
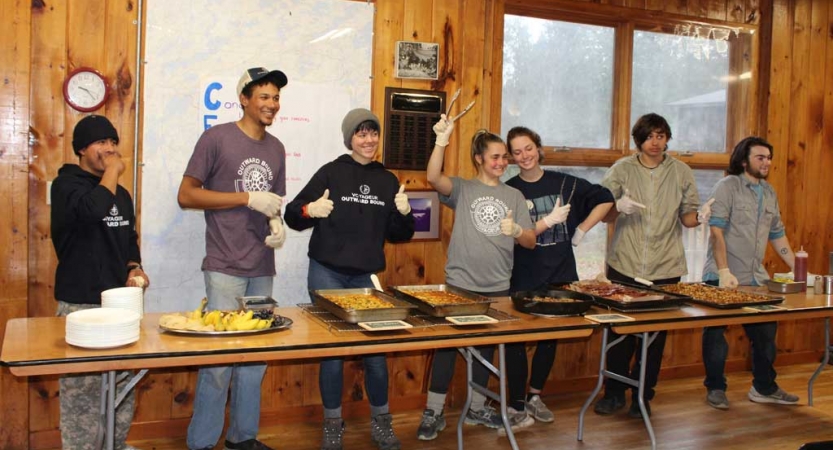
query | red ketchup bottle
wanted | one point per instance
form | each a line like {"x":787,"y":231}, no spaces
{"x":800,"y":270}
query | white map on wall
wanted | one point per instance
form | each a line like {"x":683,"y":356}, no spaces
{"x":195,"y":52}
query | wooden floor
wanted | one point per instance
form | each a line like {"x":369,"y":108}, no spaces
{"x":681,"y":418}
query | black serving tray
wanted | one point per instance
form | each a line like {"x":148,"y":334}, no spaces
{"x":524,"y":301}
{"x":672,"y":301}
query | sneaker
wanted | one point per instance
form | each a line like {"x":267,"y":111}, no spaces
{"x":716,"y":398}
{"x":635,"y":412}
{"x":381,"y":432}
{"x":430,"y":425}
{"x":250,"y":444}
{"x":609,"y":405}
{"x":487,"y":417}
{"x":333,"y":434}
{"x":538,"y":410}
{"x":517,"y":420}
{"x":780,"y":397}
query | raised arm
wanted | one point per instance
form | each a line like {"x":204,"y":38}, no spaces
{"x":439,"y":181}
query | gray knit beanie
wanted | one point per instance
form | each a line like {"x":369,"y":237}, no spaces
{"x":352,"y":121}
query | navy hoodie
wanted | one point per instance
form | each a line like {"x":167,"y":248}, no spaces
{"x":94,"y":234}
{"x":351,"y":239}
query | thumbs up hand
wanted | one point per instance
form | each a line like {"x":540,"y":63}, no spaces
{"x":558,"y":214}
{"x":322,"y":207}
{"x":705,"y":212}
{"x":508,"y":227}
{"x":626,"y":205}
{"x":401,"y":201}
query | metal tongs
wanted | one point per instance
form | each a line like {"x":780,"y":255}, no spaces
{"x":450,"y":105}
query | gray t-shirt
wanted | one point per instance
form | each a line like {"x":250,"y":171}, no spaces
{"x":227,"y":160}
{"x":479,"y":256}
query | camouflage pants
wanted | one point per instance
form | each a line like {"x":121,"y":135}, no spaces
{"x":80,"y":397}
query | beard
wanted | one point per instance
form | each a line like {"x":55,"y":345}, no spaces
{"x":757,"y":174}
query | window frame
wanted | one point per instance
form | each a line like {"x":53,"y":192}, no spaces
{"x":625,"y":22}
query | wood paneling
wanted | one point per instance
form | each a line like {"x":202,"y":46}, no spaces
{"x":793,"y":63}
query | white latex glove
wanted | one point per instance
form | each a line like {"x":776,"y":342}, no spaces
{"x":626,"y":205}
{"x":443,"y":128}
{"x":558,"y":214}
{"x":508,"y":226}
{"x":705,"y":212}
{"x":266,"y":203}
{"x":278,"y":236}
{"x":727,"y":280}
{"x":577,"y":236}
{"x":322,"y":207}
{"x":401,"y":201}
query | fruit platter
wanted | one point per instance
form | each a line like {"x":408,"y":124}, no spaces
{"x":223,"y":323}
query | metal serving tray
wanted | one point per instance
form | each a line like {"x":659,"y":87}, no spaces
{"x":480,"y":305}
{"x":256,"y":302}
{"x":670,"y":301}
{"x":398,"y":312}
{"x":765,"y":299}
{"x":524,"y":301}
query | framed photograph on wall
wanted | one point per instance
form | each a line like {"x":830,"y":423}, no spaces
{"x":419,"y":60}
{"x":425,"y":206}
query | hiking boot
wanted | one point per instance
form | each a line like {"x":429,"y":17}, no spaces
{"x":249,"y":444}
{"x":538,"y":410}
{"x":487,"y":417}
{"x":517,"y":420}
{"x":635,"y":412}
{"x":780,"y":397}
{"x":609,"y":405}
{"x":333,"y":434}
{"x":381,"y":432}
{"x":430,"y":425}
{"x":716,"y":398}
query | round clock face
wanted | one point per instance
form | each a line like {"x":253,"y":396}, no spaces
{"x":85,"y":90}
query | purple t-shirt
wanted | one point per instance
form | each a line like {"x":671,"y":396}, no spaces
{"x":227,"y":160}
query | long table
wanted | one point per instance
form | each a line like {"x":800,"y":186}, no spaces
{"x":36,"y":346}
{"x":647,"y":324}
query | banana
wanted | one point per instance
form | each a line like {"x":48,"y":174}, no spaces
{"x":211,"y":318}
{"x":197,"y":313}
{"x":248,"y":324}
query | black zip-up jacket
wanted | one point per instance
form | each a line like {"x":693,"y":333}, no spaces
{"x":94,"y":234}
{"x":352,"y":238}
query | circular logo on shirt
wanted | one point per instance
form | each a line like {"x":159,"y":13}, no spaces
{"x":255,"y":178}
{"x":364,"y":189}
{"x":486,"y":213}
{"x":114,"y":211}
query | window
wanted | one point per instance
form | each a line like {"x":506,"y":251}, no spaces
{"x":550,"y":87}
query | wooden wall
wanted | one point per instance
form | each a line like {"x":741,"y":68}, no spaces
{"x":44,"y":41}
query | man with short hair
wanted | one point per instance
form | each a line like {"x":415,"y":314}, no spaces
{"x":745,"y":215}
{"x":94,"y":234}
{"x":237,"y":174}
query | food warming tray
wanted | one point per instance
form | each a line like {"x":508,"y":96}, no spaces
{"x":479,"y":306}
{"x":763,"y":299}
{"x":650,"y":302}
{"x":524,"y":301}
{"x":398,"y":312}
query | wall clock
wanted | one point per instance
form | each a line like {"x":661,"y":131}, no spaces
{"x":85,"y":89}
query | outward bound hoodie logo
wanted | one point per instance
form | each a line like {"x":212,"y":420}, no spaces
{"x":364,"y":189}
{"x":114,"y":211}
{"x":114,"y":219}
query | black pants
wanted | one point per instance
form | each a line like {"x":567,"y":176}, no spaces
{"x":517,"y":372}
{"x":442,"y":370}
{"x":619,"y":357}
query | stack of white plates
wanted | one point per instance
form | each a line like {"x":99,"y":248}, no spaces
{"x":124,"y":297}
{"x":102,"y":327}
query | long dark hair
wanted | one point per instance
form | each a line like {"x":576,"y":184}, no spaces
{"x":646,"y":125}
{"x":480,"y":142}
{"x":740,"y":154}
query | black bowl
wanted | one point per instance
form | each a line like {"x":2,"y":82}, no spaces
{"x":524,"y":301}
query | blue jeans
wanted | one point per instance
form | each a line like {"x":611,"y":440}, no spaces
{"x":716,"y":349}
{"x":331,"y":373}
{"x":213,"y":382}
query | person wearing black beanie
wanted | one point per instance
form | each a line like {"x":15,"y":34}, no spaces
{"x":94,"y":234}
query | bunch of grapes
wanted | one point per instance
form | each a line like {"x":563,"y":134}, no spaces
{"x":267,"y":314}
